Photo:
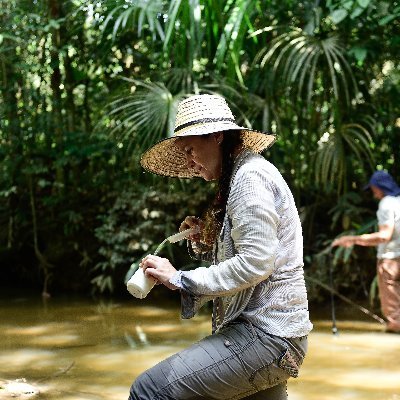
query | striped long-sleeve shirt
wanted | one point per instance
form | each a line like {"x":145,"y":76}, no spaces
{"x":257,"y":270}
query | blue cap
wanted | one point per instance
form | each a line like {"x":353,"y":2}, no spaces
{"x":385,"y":182}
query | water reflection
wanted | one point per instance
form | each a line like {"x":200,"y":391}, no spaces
{"x":75,"y":349}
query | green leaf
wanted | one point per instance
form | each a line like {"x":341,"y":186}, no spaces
{"x":4,"y":36}
{"x":172,"y":18}
{"x":357,"y":11}
{"x":360,"y":53}
{"x":363,"y":3}
{"x":386,"y":20}
{"x":339,"y":15}
{"x":348,"y":5}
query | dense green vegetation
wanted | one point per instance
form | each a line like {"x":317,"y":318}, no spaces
{"x":87,"y":86}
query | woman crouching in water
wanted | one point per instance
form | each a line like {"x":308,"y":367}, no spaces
{"x":252,"y":237}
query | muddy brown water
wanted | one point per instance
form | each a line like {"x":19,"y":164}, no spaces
{"x":74,"y":349}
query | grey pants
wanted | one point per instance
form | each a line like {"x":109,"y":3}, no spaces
{"x":241,"y":361}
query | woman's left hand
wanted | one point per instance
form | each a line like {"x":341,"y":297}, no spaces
{"x":160,"y":269}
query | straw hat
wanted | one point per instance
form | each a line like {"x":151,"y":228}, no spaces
{"x":198,"y":115}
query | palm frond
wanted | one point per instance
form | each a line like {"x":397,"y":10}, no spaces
{"x":136,"y":15}
{"x":172,"y":18}
{"x":296,"y":60}
{"x":234,"y":33}
{"x":144,"y":117}
{"x":349,"y":141}
{"x":359,"y":140}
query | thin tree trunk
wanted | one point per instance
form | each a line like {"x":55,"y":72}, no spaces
{"x":9,"y":89}
{"x":45,"y":266}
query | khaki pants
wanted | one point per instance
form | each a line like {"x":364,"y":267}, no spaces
{"x":389,"y":291}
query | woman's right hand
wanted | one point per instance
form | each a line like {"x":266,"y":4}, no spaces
{"x":192,"y":222}
{"x":344,"y":241}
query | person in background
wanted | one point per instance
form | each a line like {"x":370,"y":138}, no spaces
{"x":387,"y":240}
{"x":252,"y":236}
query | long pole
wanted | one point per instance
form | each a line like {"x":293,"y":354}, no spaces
{"x":334,"y":327}
{"x":347,"y":300}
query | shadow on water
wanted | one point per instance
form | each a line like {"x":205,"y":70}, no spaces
{"x":74,"y":349}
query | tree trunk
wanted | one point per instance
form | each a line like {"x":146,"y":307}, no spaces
{"x":10,"y":86}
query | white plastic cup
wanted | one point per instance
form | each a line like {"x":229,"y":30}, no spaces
{"x":140,"y":285}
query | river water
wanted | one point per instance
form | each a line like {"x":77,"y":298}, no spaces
{"x":74,"y":349}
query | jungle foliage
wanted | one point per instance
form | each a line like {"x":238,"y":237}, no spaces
{"x":86,"y":86}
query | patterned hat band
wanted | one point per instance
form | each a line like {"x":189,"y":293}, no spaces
{"x":202,"y":121}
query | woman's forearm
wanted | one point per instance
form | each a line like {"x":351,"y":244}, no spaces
{"x":370,"y":239}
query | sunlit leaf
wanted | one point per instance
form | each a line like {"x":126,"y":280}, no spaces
{"x":339,"y":15}
{"x":356,"y":12}
{"x":363,"y":3}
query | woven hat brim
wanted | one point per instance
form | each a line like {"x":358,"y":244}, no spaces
{"x":165,"y":157}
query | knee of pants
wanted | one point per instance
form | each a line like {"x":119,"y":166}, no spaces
{"x":140,"y":389}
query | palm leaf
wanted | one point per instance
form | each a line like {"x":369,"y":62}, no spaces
{"x":144,"y":117}
{"x":296,"y":57}
{"x":349,"y":141}
{"x":134,"y":15}
{"x":172,"y":18}
{"x":234,"y":32}
{"x":327,"y":52}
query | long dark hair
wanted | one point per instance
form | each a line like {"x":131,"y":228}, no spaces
{"x":214,"y":216}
